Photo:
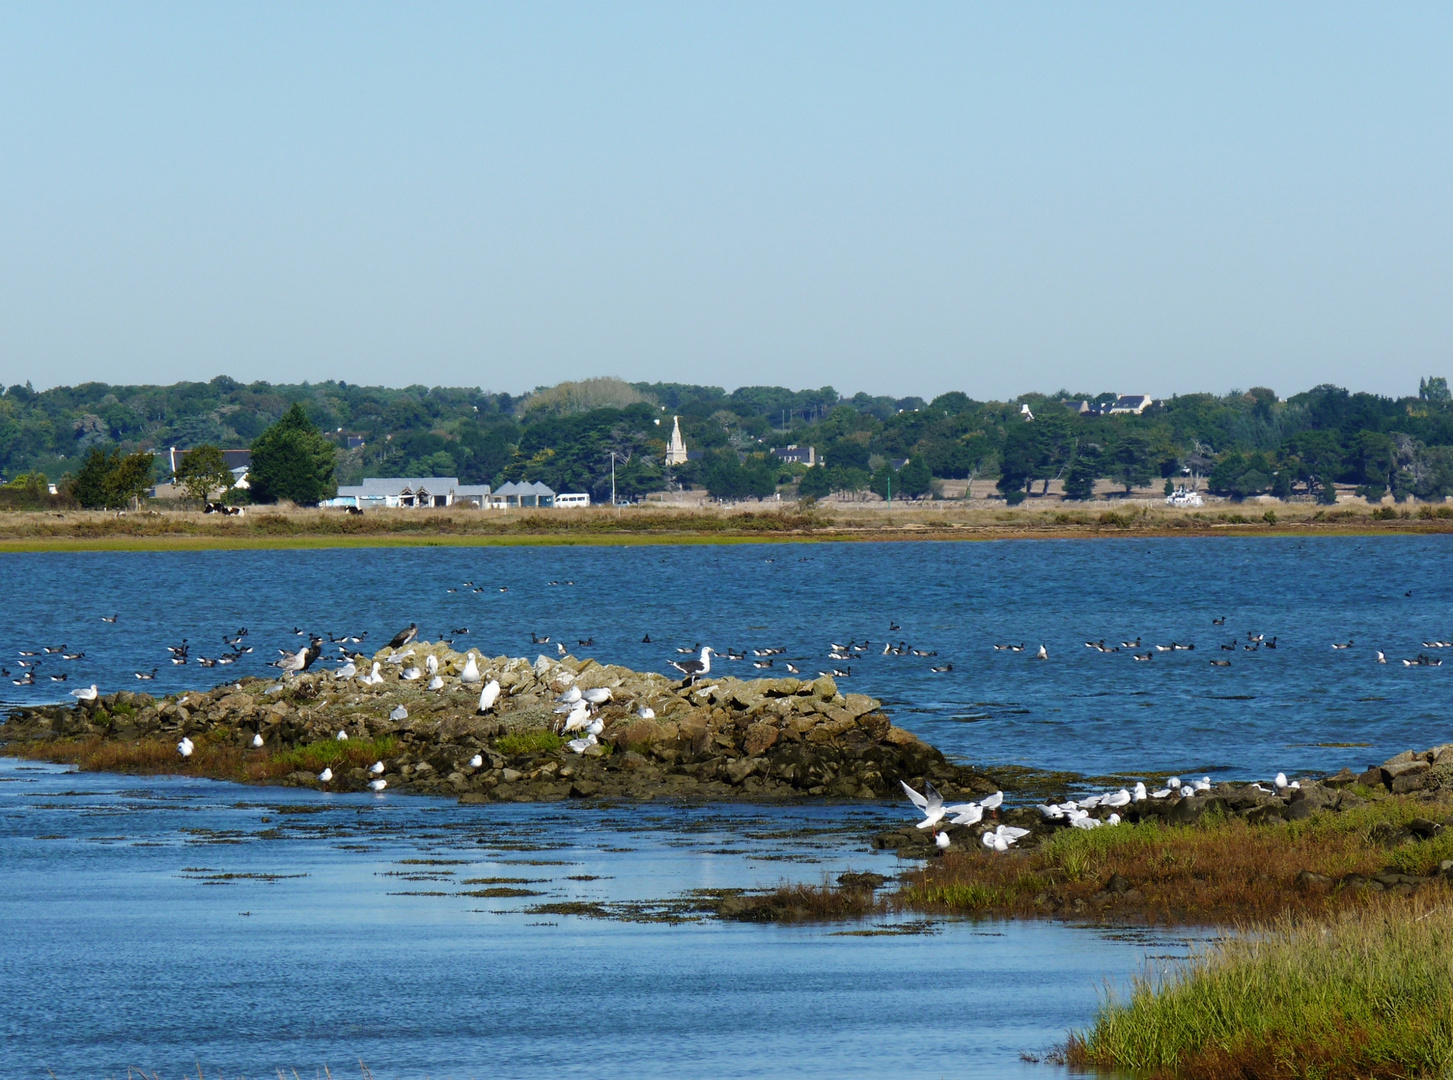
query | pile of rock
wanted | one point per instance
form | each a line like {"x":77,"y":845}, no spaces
{"x":720,"y":739}
{"x":1413,"y":770}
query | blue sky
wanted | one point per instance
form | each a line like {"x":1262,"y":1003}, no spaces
{"x":902,"y":199}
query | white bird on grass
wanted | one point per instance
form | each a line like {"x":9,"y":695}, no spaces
{"x":488,"y":696}
{"x":257,"y":742}
{"x":376,"y":768}
{"x":342,"y":736}
{"x":931,"y":804}
{"x":85,"y":693}
{"x":1113,"y":819}
{"x":1085,"y":822}
{"x":470,"y":674}
{"x":185,"y":747}
{"x":399,"y":713}
{"x":377,"y":785}
{"x":941,"y":840}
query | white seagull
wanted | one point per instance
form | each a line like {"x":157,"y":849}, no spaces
{"x":1001,"y":838}
{"x":694,"y":669}
{"x":931,"y":804}
{"x":326,"y":775}
{"x":489,"y":695}
{"x":376,"y":768}
{"x":941,"y":840}
{"x":257,"y":742}
{"x":470,"y":674}
{"x":432,"y":664}
{"x":477,"y":761}
{"x":377,"y":785}
{"x":645,"y":712}
{"x":185,"y":747}
{"x":342,"y":736}
{"x":436,"y":683}
{"x":85,"y":693}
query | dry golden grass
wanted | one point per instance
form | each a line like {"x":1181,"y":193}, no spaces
{"x":214,"y":760}
{"x":652,"y":523}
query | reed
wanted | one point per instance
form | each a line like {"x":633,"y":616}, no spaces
{"x":1365,"y":994}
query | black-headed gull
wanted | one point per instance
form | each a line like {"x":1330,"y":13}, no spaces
{"x":931,"y":804}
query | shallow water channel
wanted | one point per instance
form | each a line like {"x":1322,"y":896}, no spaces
{"x":164,"y":923}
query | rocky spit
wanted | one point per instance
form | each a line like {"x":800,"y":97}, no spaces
{"x":720,"y":739}
{"x":1417,"y":774}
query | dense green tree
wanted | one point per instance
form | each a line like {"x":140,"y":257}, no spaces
{"x":814,"y":483}
{"x":291,"y":460}
{"x":203,"y":471}
{"x":89,"y":486}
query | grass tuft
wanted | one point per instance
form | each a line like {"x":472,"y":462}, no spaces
{"x":529,"y":742}
{"x":1366,"y":994}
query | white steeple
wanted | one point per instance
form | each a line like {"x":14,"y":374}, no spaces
{"x":676,"y":449}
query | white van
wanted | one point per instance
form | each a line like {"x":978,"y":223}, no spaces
{"x":572,"y":500}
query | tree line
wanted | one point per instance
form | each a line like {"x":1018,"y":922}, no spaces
{"x":572,"y":434}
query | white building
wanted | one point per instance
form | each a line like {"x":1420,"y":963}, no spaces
{"x":410,"y":491}
{"x":676,"y":448}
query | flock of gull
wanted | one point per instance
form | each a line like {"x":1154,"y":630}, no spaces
{"x":1073,"y":812}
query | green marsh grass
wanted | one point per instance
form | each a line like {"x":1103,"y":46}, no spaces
{"x":529,"y":742}
{"x":1367,"y":993}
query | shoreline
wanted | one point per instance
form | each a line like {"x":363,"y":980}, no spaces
{"x":288,"y":529}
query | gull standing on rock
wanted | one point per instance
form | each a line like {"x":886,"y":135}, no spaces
{"x":399,"y":713}
{"x":695,"y":669}
{"x":376,"y":768}
{"x":85,"y":693}
{"x":489,"y":695}
{"x":377,"y":785}
{"x":257,"y":742}
{"x":470,"y":674}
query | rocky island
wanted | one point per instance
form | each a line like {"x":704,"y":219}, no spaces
{"x":717,"y":739}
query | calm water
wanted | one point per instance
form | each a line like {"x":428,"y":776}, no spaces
{"x":1082,"y":710}
{"x":162,"y":923}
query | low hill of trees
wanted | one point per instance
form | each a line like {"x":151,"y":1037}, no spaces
{"x":1238,"y":444}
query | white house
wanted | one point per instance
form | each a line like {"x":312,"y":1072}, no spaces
{"x":1131,"y":403}
{"x":410,"y":491}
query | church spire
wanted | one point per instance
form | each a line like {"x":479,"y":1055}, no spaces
{"x":676,"y":449}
